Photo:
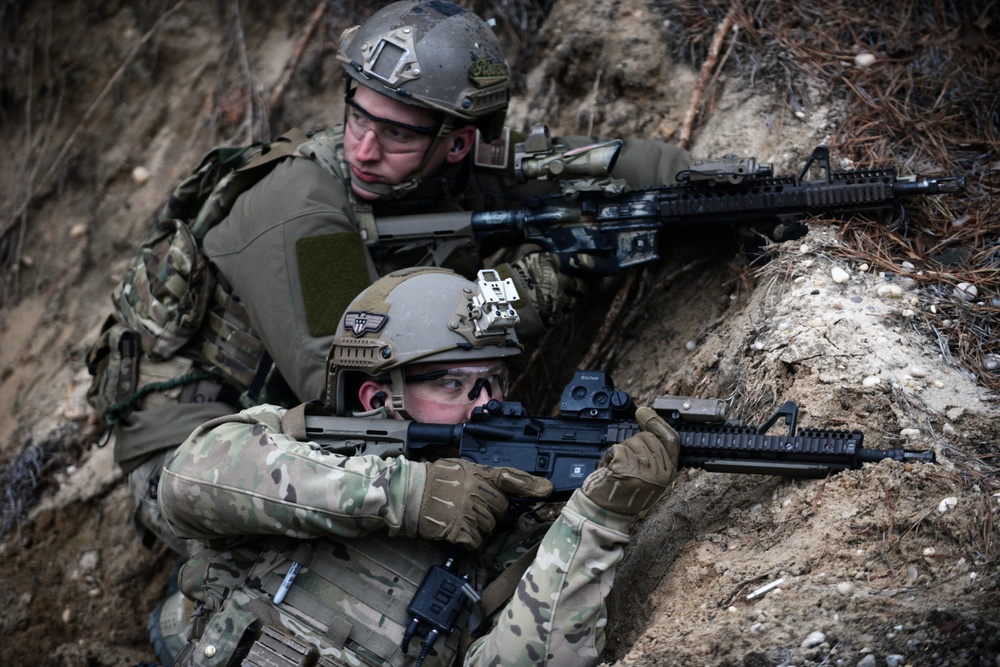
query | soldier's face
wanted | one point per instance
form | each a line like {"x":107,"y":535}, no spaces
{"x":380,"y":144}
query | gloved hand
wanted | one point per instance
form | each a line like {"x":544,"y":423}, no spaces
{"x":632,"y":475}
{"x":462,"y":500}
{"x":539,"y":281}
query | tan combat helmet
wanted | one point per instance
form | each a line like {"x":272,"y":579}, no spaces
{"x":432,"y":54}
{"x":415,"y":316}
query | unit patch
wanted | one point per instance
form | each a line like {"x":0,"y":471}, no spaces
{"x":484,"y":73}
{"x":362,"y":322}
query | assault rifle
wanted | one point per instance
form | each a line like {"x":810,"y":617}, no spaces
{"x":622,"y":229}
{"x":595,"y":416}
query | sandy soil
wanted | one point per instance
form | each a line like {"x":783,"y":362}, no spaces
{"x":888,"y":565}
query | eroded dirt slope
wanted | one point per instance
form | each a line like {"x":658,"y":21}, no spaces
{"x":893,"y":564}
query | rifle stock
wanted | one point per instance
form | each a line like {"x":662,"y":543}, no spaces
{"x":622,"y":230}
{"x":593,"y":417}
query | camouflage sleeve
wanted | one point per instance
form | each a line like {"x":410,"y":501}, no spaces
{"x":558,"y":613}
{"x":239,"y":475}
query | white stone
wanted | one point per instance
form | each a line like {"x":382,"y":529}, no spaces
{"x":864,"y":59}
{"x":889,"y":291}
{"x":863,"y":267}
{"x":918,"y":372}
{"x":947,"y":503}
{"x":966,"y":291}
{"x":845,"y":588}
{"x":690,"y":346}
{"x":839,"y":275}
{"x":868,"y":661}
{"x":910,"y":433}
{"x":871,"y":381}
{"x":895,"y":660}
{"x":78,"y":230}
{"x":814,"y":639}
{"x":140,"y":175}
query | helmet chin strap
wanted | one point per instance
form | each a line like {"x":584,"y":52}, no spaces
{"x":414,"y":179}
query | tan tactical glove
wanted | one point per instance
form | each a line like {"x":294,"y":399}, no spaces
{"x":632,"y":475}
{"x":540,"y":282}
{"x":462,"y":500}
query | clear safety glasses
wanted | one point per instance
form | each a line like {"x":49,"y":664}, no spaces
{"x":392,"y":136}
{"x":460,"y":386}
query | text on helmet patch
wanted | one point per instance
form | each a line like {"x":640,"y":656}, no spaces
{"x":483,"y":73}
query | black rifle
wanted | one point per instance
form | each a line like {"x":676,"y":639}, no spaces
{"x":595,"y":416}
{"x":622,"y":230}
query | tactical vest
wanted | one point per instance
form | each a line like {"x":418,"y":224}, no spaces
{"x":348,"y":605}
{"x":171,"y":303}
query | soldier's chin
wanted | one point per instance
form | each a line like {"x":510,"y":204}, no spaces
{"x":365,"y":193}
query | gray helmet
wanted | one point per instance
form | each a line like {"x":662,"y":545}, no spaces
{"x":434,"y":54}
{"x":416,"y":316}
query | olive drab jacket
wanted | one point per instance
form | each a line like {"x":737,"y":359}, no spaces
{"x":261,"y":501}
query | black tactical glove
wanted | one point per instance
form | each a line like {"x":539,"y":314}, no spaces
{"x":632,"y":475}
{"x":462,"y":500}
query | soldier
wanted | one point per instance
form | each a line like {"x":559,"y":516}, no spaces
{"x":362,"y":531}
{"x":426,"y":101}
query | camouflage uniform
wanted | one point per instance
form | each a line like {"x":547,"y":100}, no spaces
{"x":351,"y":522}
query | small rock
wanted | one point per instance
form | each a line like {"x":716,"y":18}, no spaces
{"x":907,"y":267}
{"x":864,"y":59}
{"x":895,"y":660}
{"x":814,"y":639}
{"x":966,"y":291}
{"x":799,"y":280}
{"x":839,"y":275}
{"x":690,"y":346}
{"x":930,"y":551}
{"x":804,"y":248}
{"x":947,"y":504}
{"x":863,"y":267}
{"x":89,"y":561}
{"x":78,"y":230}
{"x":907,"y":283}
{"x":140,"y":175}
{"x":912,"y":574}
{"x":756,"y":628}
{"x":845,"y":588}
{"x":910,"y":433}
{"x":991,"y":362}
{"x":889,"y":291}
{"x":868,"y":661}
{"x":871,"y":381}
{"x":67,"y":615}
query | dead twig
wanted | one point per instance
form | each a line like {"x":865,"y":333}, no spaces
{"x":293,"y":63}
{"x":706,"y":74}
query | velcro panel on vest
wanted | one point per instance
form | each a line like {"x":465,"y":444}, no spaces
{"x":332,"y":271}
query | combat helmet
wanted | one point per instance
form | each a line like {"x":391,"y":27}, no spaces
{"x":419,"y":315}
{"x":433,"y":54}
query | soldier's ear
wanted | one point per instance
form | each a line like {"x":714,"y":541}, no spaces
{"x":461,"y":140}
{"x":372,"y":395}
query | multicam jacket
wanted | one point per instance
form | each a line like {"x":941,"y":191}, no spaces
{"x":259,"y":501}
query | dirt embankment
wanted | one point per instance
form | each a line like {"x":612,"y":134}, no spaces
{"x":889,"y":565}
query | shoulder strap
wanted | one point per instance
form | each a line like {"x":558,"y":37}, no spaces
{"x":284,"y":146}
{"x":496,"y":595}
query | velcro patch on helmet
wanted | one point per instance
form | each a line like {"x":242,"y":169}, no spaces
{"x":362,"y":322}
{"x":483,"y":73}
